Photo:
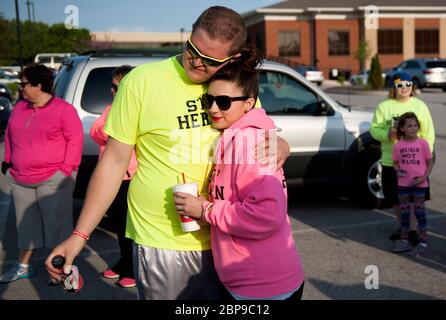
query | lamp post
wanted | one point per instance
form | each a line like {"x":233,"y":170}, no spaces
{"x":19,"y":34}
{"x":181,"y":35}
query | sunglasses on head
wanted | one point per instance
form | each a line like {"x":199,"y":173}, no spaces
{"x":403,"y":84}
{"x":223,"y":102}
{"x":208,"y":61}
{"x":23,"y":84}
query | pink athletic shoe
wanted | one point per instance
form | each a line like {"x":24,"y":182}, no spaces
{"x":110,"y":274}
{"x":127,"y":283}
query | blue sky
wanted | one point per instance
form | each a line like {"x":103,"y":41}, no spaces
{"x":128,"y":15}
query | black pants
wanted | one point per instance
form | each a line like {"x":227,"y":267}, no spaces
{"x":118,"y":216}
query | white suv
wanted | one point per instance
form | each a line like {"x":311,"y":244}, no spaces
{"x":330,"y":143}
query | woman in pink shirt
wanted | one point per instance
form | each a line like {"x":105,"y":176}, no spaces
{"x":43,"y":150}
{"x":252,"y":245}
{"x":123,"y":269}
{"x":413,"y":163}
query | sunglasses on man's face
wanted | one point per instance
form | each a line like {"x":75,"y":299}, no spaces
{"x":403,"y":84}
{"x":223,"y":102}
{"x":208,"y":61}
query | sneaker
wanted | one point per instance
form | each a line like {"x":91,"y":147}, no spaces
{"x":413,"y":238}
{"x":402,"y":246}
{"x":127,"y":282}
{"x":396,"y":235}
{"x":17,"y":272}
{"x":110,"y":274}
{"x":419,"y":249}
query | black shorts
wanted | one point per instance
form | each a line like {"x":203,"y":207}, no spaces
{"x":390,"y":186}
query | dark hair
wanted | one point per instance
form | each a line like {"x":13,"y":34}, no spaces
{"x":38,"y":74}
{"x":223,"y":24}
{"x":243,"y":71}
{"x":121,"y":71}
{"x":402,"y":121}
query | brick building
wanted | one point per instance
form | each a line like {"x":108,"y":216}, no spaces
{"x":327,"y":33}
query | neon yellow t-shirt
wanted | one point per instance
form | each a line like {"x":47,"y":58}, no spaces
{"x":158,"y":109}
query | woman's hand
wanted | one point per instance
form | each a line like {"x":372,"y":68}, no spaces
{"x":188,"y":205}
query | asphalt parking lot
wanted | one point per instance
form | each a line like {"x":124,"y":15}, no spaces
{"x":344,"y":248}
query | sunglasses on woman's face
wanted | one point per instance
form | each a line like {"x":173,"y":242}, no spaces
{"x":403,"y":84}
{"x":223,"y":102}
{"x":23,"y":84}
{"x":114,"y":87}
{"x":208,"y":61}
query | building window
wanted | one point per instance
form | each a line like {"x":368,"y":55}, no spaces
{"x":390,"y":41}
{"x":338,"y":43}
{"x":427,"y":41}
{"x":289,"y":43}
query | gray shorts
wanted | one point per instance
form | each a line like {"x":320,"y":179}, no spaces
{"x":175,"y":275}
{"x":44,"y":211}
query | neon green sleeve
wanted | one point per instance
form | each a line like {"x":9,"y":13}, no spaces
{"x":427,"y":131}
{"x":379,"y":129}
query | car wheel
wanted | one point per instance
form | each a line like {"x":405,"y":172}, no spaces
{"x":416,"y":83}
{"x":444,"y":89}
{"x":367,"y":180}
{"x":388,"y":83}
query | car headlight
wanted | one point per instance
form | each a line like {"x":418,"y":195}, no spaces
{"x":2,"y":90}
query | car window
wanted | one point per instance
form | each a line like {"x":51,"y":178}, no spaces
{"x":62,"y":79}
{"x":402,"y":65}
{"x":412,"y":65}
{"x":44,"y":60}
{"x":96,"y":94}
{"x":436,"y":64}
{"x":281,"y":94}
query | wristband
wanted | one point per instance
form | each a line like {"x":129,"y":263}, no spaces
{"x":80,"y":234}
{"x":206,"y":209}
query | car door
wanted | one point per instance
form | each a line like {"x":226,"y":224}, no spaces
{"x":317,"y":139}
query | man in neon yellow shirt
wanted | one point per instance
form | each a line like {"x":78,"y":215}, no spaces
{"x":158,"y":112}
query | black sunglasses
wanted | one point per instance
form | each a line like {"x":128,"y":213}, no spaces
{"x":114,"y":87}
{"x":223,"y":102}
{"x":23,"y":84}
{"x":208,"y":61}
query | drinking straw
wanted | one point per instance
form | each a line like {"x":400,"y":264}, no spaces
{"x":184,"y":179}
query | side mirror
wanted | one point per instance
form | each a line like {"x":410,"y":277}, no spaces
{"x":324,"y":109}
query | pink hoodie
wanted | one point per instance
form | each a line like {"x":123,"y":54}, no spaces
{"x":99,"y":136}
{"x":41,"y":141}
{"x":254,"y":251}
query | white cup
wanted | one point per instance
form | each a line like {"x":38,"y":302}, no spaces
{"x":188,"y":224}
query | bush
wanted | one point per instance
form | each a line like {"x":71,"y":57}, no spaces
{"x":375,"y":79}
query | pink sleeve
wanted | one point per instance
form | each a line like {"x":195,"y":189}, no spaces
{"x":427,"y":149}
{"x":97,"y":132}
{"x":7,"y":141}
{"x":263,"y":206}
{"x":73,"y":134}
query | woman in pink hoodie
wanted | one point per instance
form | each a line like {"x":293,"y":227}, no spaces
{"x":123,"y":269}
{"x":253,"y":248}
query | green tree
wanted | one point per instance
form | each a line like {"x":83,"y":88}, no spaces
{"x":375,"y":80}
{"x":363,"y":53}
{"x":39,"y":38}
